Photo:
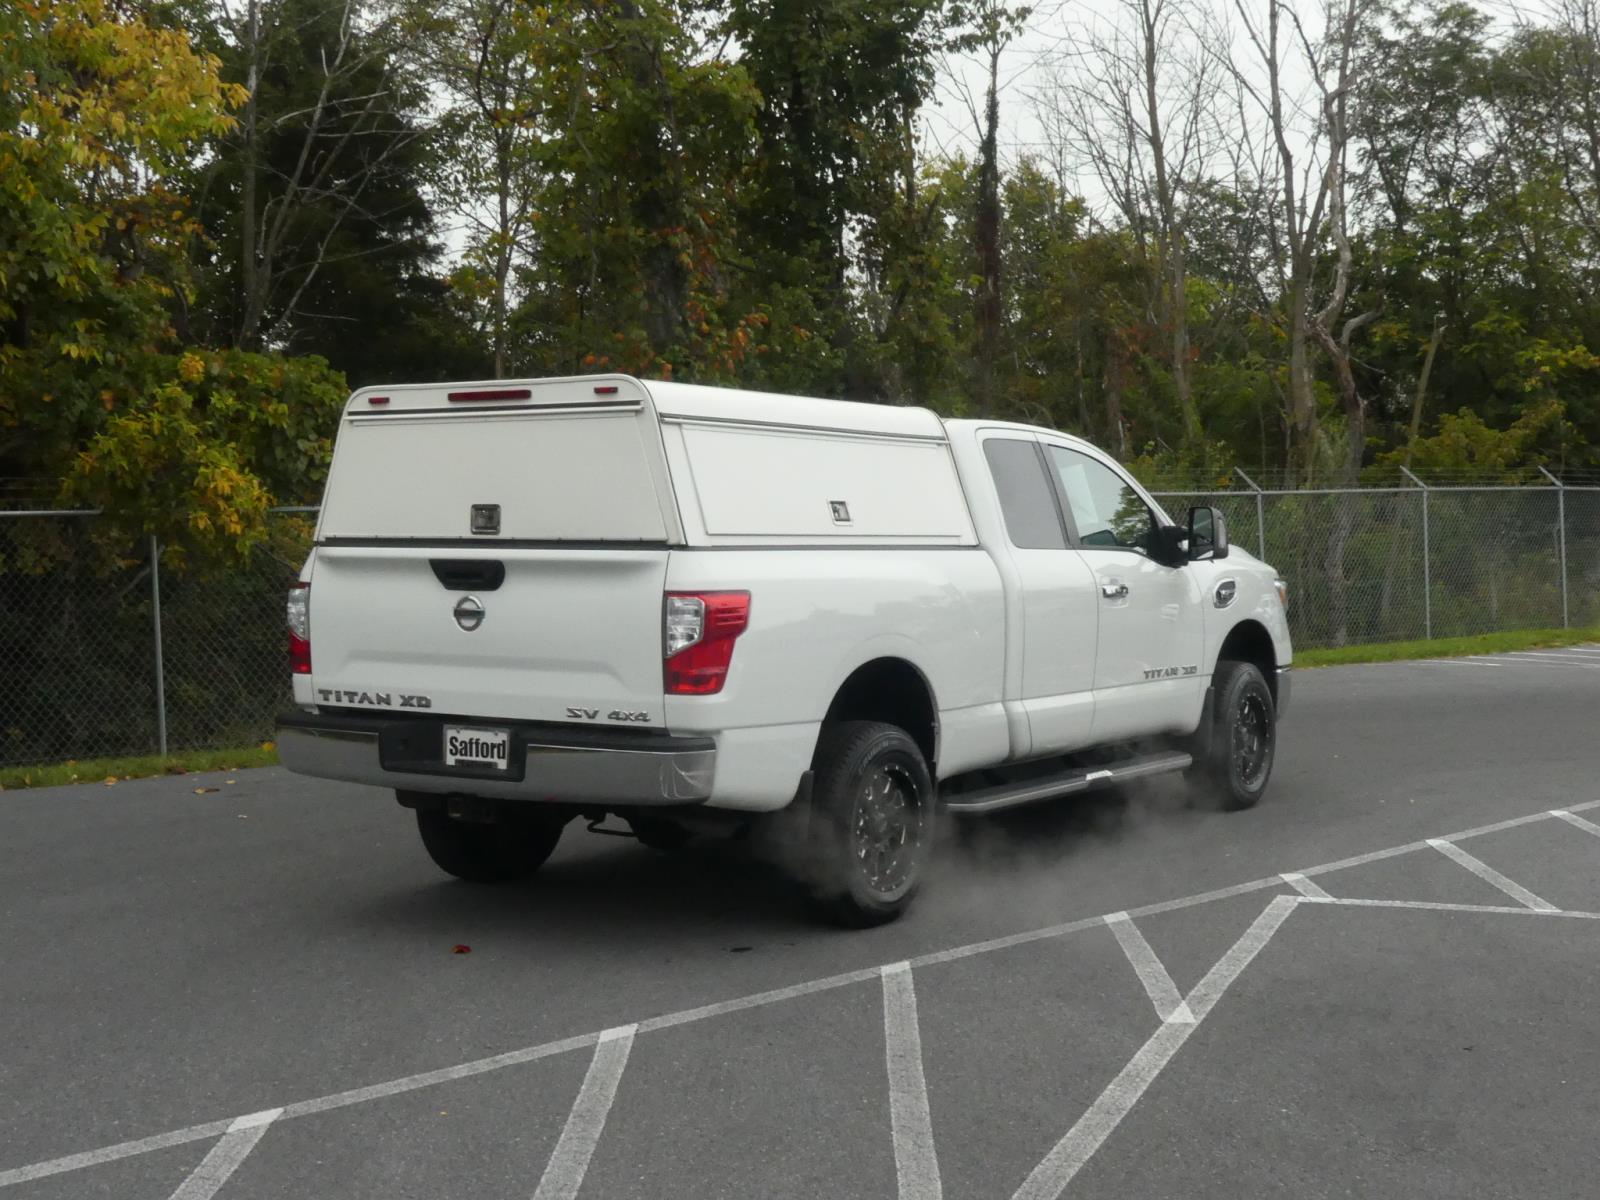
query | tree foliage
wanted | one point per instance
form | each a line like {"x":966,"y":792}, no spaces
{"x":213,"y":217}
{"x":100,"y":111}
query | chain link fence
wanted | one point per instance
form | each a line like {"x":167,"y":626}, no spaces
{"x":107,"y":649}
{"x":1396,"y":564}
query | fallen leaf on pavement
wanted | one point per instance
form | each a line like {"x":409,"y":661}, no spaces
{"x":458,"y":948}
{"x":204,"y":791}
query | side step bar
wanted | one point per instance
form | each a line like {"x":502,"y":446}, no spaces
{"x":1073,"y":779}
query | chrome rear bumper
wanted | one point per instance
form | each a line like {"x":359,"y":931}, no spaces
{"x":549,"y":764}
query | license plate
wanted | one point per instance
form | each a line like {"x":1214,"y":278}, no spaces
{"x":467,"y":746}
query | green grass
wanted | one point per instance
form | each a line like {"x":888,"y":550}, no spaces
{"x":115,"y":770}
{"x":1481,"y":643}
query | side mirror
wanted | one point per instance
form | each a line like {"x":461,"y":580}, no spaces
{"x":1167,"y":545}
{"x":1208,"y":535}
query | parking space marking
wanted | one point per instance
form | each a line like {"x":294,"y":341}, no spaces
{"x":1304,"y":886}
{"x":1508,"y":660}
{"x":1450,"y":906}
{"x":569,"y":1161}
{"x":410,"y":1083}
{"x":1489,"y":875}
{"x":217,"y":1167}
{"x":1452,"y":662}
{"x":916,"y":1163}
{"x":1578,"y":822}
{"x":107,"y":1154}
{"x":1158,"y":985}
{"x":1050,"y":1178}
{"x":527,"y":1054}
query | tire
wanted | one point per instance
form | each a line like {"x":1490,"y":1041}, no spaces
{"x":660,"y":834}
{"x":1244,"y":739}
{"x":513,"y":847}
{"x":872,"y":824}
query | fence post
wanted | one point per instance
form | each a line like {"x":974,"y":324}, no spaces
{"x":1561,"y":524}
{"x":155,"y":618}
{"x":1427,"y":566}
{"x":1261,"y":513}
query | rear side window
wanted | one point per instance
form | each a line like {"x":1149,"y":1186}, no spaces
{"x":1032,"y":519}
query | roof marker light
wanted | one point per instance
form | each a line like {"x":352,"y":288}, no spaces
{"x":377,"y":399}
{"x":609,"y":389}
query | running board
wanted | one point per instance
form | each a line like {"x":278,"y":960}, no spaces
{"x":1074,"y":779}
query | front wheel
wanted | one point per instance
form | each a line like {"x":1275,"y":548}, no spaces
{"x":513,"y":847}
{"x":1244,"y":738}
{"x":872,"y":823}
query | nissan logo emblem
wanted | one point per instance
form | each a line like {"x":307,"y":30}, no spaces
{"x":469,"y":613}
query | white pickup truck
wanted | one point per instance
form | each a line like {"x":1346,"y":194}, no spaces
{"x":681,"y":605}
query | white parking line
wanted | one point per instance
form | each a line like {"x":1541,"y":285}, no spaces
{"x":1489,"y":875}
{"x":569,"y":1161}
{"x":1050,"y":1178}
{"x":1442,"y":906}
{"x":1579,"y":822}
{"x":1512,"y":661}
{"x":915,"y":1161}
{"x":1561,"y":654}
{"x":528,"y":1054}
{"x":1451,"y":662}
{"x":217,"y":1167}
{"x":1304,"y":886}
{"x":1157,"y":982}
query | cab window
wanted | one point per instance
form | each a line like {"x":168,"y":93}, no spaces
{"x":1032,"y":520}
{"x":1107,"y":511}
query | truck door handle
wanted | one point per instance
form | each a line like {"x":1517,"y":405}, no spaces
{"x":1113,"y":591}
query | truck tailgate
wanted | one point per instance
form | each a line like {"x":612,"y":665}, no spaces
{"x":565,"y":635}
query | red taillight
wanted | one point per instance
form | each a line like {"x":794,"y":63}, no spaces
{"x":697,"y":639}
{"x":299,"y":614}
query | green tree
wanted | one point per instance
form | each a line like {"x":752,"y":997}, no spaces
{"x":840,"y":83}
{"x":318,"y":238}
{"x":100,"y":111}
{"x":633,"y":251}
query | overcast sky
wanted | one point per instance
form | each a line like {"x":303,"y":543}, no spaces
{"x":1058,"y":28}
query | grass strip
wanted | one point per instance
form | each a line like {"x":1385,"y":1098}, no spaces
{"x":115,"y":770}
{"x":1454,"y":647}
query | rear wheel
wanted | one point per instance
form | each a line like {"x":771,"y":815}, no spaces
{"x":872,"y":823}
{"x":512,"y":847}
{"x":1244,"y":738}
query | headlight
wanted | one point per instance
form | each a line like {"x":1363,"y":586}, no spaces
{"x":1283,"y":593}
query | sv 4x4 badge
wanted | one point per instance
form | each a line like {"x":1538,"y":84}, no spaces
{"x":616,"y":714}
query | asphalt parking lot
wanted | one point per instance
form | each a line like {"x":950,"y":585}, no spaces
{"x":1379,"y":983}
